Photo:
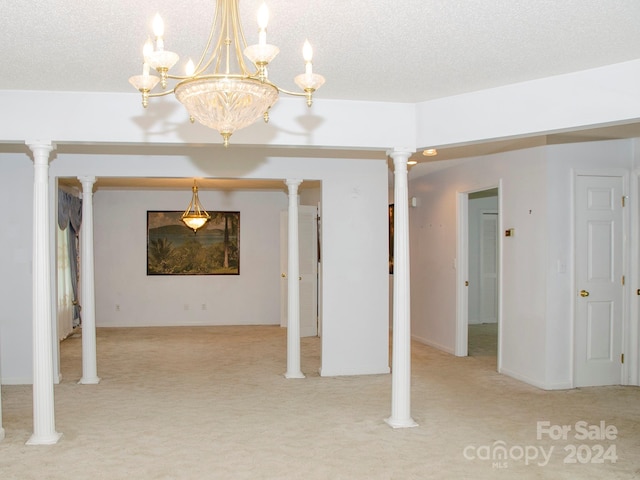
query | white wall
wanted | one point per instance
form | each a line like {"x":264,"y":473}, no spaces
{"x":433,"y":231}
{"x":536,"y":201}
{"x":123,"y":120}
{"x":598,"y":96}
{"x":563,"y":162}
{"x":251,"y":298}
{"x":16,"y":193}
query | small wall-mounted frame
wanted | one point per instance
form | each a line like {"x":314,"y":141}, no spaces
{"x":510,"y":232}
{"x":173,"y":248}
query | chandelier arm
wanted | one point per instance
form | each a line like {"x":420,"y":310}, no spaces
{"x":288,"y":92}
{"x":162,"y":93}
{"x":199,"y":69}
{"x":239,"y":39}
{"x":216,"y":54}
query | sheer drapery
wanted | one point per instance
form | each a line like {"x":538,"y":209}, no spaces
{"x":70,"y":215}
{"x":65,"y":289}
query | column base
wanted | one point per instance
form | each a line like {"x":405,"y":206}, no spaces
{"x":406,"y":423}
{"x":44,"y":439}
{"x":294,"y":375}
{"x":89,"y":381}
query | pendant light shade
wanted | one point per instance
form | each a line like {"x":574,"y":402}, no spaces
{"x":195,"y":216}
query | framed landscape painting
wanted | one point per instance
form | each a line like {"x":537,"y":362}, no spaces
{"x":173,"y":248}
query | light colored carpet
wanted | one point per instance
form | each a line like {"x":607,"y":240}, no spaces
{"x":483,"y":340}
{"x":211,"y":403}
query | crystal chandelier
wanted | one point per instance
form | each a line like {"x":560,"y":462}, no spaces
{"x":195,"y":216}
{"x":220,"y":91}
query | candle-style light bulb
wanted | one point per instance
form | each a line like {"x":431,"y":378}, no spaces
{"x":263,"y":16}
{"x":307,"y":54}
{"x":263,"y":20}
{"x":158,"y":25}
{"x":190,"y":68}
{"x":158,"y":31}
{"x":307,"y":51}
{"x":147,"y":49}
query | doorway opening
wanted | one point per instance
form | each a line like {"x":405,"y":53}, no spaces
{"x":478,"y":274}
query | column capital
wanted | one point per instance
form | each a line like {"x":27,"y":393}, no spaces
{"x":40,"y":144}
{"x":43,"y":145}
{"x":87,"y":179}
{"x":401,"y":152}
{"x":41,"y":150}
{"x":293,"y":182}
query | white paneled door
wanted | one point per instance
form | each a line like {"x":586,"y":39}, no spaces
{"x":599,"y":280}
{"x":308,"y":263}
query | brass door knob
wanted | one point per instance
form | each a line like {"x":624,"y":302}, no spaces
{"x":584,"y":293}
{"x":283,"y":275}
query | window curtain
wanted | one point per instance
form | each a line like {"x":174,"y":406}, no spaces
{"x":65,"y":290}
{"x":69,"y":221}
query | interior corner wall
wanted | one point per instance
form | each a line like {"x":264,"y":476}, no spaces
{"x":433,"y":240}
{"x":564,"y":161}
{"x":127,"y":296}
{"x":16,"y":192}
{"x":537,"y":262}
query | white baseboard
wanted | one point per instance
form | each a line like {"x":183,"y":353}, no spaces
{"x":433,"y":344}
{"x":16,"y":381}
{"x":327,"y":373}
{"x":535,"y":383}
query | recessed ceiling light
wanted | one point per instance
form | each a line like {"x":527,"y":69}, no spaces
{"x":430,"y":152}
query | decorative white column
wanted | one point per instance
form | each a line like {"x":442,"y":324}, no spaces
{"x":401,"y":354}
{"x":44,"y":430}
{"x":293,"y":283}
{"x":87,"y":287}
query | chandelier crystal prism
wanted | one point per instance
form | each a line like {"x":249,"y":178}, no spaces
{"x":220,"y":91}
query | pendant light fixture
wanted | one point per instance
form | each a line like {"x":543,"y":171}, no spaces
{"x":195,"y":216}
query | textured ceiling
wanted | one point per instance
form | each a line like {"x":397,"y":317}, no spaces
{"x":382,"y":50}
{"x":386,"y":50}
